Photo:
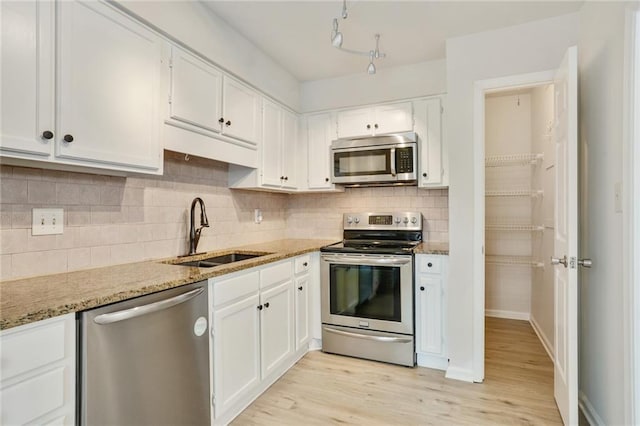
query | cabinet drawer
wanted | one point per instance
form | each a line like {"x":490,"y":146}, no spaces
{"x":302,"y":264}
{"x":275,"y":274}
{"x":32,"y":398}
{"x":33,"y":347}
{"x":429,"y":264}
{"x":233,"y":288}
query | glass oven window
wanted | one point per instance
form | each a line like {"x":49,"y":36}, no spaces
{"x":368,"y":292}
{"x":359,"y":163}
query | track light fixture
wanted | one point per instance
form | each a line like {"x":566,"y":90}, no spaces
{"x":337,"y":38}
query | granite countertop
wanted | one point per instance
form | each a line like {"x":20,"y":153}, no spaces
{"x":32,"y":299}
{"x":432,"y":248}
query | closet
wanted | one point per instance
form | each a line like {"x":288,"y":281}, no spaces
{"x":519,"y":211}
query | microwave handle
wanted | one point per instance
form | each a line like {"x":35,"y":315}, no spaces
{"x":393,"y":161}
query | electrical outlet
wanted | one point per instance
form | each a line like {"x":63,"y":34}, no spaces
{"x":257,"y":215}
{"x":47,"y":221}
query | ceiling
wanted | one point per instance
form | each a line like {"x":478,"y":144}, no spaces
{"x":296,"y":34}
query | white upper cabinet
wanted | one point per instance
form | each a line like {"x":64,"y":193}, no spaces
{"x":240,"y":111}
{"x":272,"y":145}
{"x":289,"y":153}
{"x":27,"y":66}
{"x":105,"y":110}
{"x":320,"y":133}
{"x":109,"y":69}
{"x":432,"y":170}
{"x":377,"y":120}
{"x":196,"y":91}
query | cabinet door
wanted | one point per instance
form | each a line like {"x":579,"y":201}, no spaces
{"x":277,"y":334}
{"x":429,"y":314}
{"x":271,"y":145}
{"x":302,"y":311}
{"x":394,"y":118}
{"x":241,"y":111}
{"x":109,"y":69}
{"x":288,"y":146}
{"x":27,"y":72}
{"x":355,"y":122}
{"x":196,"y":91}
{"x":319,"y":137}
{"x":428,"y":115}
{"x":236,"y":352}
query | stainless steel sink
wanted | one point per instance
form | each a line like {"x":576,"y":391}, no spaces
{"x":224,"y":259}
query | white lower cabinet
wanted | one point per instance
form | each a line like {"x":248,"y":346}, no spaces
{"x":259,"y":331}
{"x":430,"y":284}
{"x":38,"y":368}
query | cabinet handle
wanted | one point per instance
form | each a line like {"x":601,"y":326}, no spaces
{"x":368,"y":126}
{"x":68,"y":138}
{"x":375,"y":125}
{"x":305,"y":264}
{"x":259,"y":307}
{"x":424,"y":175}
{"x":300,"y":288}
{"x":429,"y":264}
{"x":47,"y":134}
{"x":286,"y":178}
{"x":266,"y":305}
{"x":228,"y":123}
{"x":421,"y":288}
{"x":221,"y":120}
{"x":326,"y":179}
{"x":281,"y":177}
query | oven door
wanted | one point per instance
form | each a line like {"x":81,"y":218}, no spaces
{"x":371,"y":292}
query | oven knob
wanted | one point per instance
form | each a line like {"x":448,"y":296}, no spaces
{"x":414,"y":220}
{"x":356,"y":220}
{"x":349,"y":219}
{"x":405,"y":220}
{"x":397,"y":220}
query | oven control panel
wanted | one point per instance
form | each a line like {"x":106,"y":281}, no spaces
{"x":411,"y":221}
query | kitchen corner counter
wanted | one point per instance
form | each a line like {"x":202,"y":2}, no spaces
{"x":33,"y":299}
{"x":432,"y":248}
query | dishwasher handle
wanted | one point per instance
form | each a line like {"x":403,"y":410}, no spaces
{"x":112,"y":317}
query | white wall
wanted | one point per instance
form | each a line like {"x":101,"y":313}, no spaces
{"x":196,"y":26}
{"x":543,"y":177}
{"x":508,"y":131}
{"x":409,"y":81}
{"x":526,"y":48}
{"x":601,"y":61}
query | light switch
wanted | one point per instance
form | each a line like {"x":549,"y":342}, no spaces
{"x":47,"y":221}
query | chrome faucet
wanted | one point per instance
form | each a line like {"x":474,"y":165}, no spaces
{"x":194,"y":234}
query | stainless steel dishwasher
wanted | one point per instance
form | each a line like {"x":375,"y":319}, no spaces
{"x":145,"y":361}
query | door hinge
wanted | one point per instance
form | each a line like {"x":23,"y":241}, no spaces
{"x":169,"y":98}
{"x":170,"y":62}
{"x":573,"y":264}
{"x":213,"y":399}
{"x":441,"y":109}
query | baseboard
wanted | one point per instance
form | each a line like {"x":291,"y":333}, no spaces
{"x":496,"y":313}
{"x":542,"y":337}
{"x":458,"y":373}
{"x":588,"y":411}
{"x":432,"y":361}
{"x":315,"y":345}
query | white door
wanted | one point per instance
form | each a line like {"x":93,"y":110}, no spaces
{"x":319,"y":137}
{"x":355,"y":122}
{"x":236,"y":352}
{"x":27,"y":70}
{"x":241,"y":111}
{"x":271,"y":145}
{"x":109,"y":69}
{"x":394,"y":118}
{"x":276,"y":326}
{"x":566,"y":237}
{"x":302,"y":311}
{"x":288,"y":147}
{"x":428,"y":126}
{"x":428,"y":314}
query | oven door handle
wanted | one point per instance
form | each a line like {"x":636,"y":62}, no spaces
{"x":392,"y":159}
{"x":353,"y":260}
{"x":386,"y":339}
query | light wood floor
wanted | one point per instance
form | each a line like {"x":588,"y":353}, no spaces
{"x":330,"y":389}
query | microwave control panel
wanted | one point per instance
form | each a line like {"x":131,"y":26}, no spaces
{"x":404,"y":160}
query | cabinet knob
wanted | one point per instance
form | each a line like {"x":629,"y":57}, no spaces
{"x":424,"y":175}
{"x":326,"y":179}
{"x":305,"y":264}
{"x":421,"y":288}
{"x":429,"y":264}
{"x":368,"y":126}
{"x":266,"y":305}
{"x":221,"y":120}
{"x":281,"y":177}
{"x":300,"y":288}
{"x":47,"y":134}
{"x":259,"y":307}
{"x":228,"y":123}
{"x":286,"y":178}
{"x":375,"y":125}
{"x":68,"y":138}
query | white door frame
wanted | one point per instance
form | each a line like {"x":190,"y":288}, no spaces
{"x":481,"y":87}
{"x":631,"y":213}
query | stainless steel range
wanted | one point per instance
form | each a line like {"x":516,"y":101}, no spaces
{"x":367,"y":287}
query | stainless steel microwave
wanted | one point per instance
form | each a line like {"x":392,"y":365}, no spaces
{"x":375,"y":160}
